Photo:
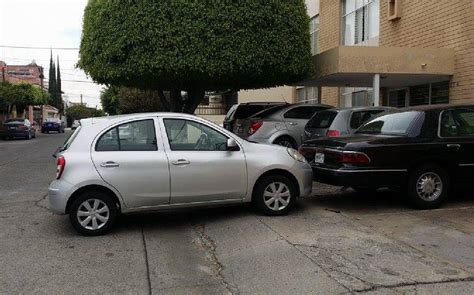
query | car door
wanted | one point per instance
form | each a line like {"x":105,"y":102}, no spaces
{"x":456,"y":131}
{"x":201,"y":167}
{"x":131,"y":158}
{"x":296,"y":118}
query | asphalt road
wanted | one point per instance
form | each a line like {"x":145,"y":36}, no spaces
{"x":335,"y":242}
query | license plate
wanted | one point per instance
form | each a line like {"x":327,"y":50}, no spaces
{"x":12,"y":128}
{"x":49,"y":125}
{"x":319,"y":158}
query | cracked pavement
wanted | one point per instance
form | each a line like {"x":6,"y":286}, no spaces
{"x":334,"y":242}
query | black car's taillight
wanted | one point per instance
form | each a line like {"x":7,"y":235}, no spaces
{"x":353,"y":158}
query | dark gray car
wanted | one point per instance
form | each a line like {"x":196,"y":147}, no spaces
{"x":340,"y":122}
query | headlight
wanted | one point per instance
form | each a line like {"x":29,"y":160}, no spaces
{"x":296,"y":155}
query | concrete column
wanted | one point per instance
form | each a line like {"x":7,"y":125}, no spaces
{"x":376,"y":87}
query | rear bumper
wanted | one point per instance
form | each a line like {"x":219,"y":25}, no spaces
{"x":51,"y":129}
{"x":16,"y":133}
{"x":59,"y":192}
{"x":376,"y":178}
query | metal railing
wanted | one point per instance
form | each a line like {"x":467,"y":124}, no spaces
{"x":210,"y":110}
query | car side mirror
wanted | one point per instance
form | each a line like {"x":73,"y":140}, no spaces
{"x":232,"y":145}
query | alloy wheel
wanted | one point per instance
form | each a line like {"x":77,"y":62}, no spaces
{"x":277,"y":196}
{"x":93,"y":214}
{"x":429,"y":186}
{"x":285,"y":143}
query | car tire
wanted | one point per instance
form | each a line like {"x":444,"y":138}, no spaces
{"x":428,"y":187}
{"x":286,"y":141}
{"x":98,"y":208}
{"x":274,"y":195}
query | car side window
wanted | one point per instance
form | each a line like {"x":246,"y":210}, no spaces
{"x":457,"y":123}
{"x":132,"y":136}
{"x":302,"y":112}
{"x":185,"y":135}
{"x":359,"y":118}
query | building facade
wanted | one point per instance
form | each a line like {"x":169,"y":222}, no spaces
{"x":394,"y":52}
{"x":30,"y":73}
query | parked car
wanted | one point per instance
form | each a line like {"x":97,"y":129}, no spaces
{"x":282,"y":125}
{"x":17,"y":128}
{"x":244,"y":110}
{"x":169,"y":161}
{"x":53,"y":124}
{"x":75,"y":124}
{"x":340,"y":122}
{"x":424,"y":150}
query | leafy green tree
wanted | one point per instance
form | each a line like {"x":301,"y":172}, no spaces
{"x":195,"y":46}
{"x":21,"y":95}
{"x":78,"y":112}
{"x":110,"y":100}
{"x":58,"y":101}
{"x":133,"y":100}
{"x":52,"y":78}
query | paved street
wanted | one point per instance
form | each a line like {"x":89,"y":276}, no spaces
{"x":334,"y":242}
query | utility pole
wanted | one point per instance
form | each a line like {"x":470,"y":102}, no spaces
{"x":81,"y":98}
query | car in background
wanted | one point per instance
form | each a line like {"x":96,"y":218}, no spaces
{"x":75,"y":124}
{"x":422,"y":150}
{"x":340,"y":122}
{"x":169,"y":161}
{"x":53,"y":124}
{"x":244,"y":110}
{"x":14,"y":128}
{"x":282,"y":125}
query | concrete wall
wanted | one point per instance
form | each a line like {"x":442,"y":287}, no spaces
{"x":436,"y":24}
{"x":284,"y":93}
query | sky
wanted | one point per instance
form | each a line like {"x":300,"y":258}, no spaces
{"x":50,"y":24}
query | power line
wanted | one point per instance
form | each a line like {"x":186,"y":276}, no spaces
{"x":39,"y":48}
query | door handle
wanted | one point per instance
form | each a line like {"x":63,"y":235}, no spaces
{"x":181,"y":162}
{"x":453,"y":146}
{"x":293,"y":123}
{"x":109,"y":164}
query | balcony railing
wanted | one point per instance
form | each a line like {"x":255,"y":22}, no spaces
{"x":210,"y":110}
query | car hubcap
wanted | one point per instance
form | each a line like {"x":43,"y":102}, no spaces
{"x":285,"y":143}
{"x":429,"y":186}
{"x":277,"y":196}
{"x":93,"y":214}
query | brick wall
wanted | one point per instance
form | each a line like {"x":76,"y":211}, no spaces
{"x":436,"y":24}
{"x":329,"y":37}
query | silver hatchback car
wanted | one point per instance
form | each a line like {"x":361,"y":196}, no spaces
{"x":155,"y":161}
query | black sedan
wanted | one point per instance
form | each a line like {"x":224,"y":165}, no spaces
{"x":13,"y":128}
{"x":422,"y":150}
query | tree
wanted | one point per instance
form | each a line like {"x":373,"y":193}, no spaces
{"x":133,"y":100}
{"x":195,"y":46}
{"x":78,"y":112}
{"x":110,"y":100}
{"x":58,"y":98}
{"x":18,"y":96}
{"x":52,"y":78}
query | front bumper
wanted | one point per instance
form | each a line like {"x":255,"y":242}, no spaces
{"x":377,"y":178}
{"x":304,"y":175}
{"x":59,"y":192}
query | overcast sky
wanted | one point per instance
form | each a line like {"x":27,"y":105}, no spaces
{"x":47,"y":23}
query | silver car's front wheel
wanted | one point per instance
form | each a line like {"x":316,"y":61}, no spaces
{"x":275,"y":194}
{"x":93,"y":213}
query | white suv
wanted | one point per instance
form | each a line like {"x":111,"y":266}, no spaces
{"x":154,"y":161}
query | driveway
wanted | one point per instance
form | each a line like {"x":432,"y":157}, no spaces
{"x":334,"y":242}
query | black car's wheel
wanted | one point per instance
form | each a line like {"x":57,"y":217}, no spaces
{"x":275,"y":195}
{"x":428,"y":187}
{"x":93,"y":213}
{"x":285,"y":141}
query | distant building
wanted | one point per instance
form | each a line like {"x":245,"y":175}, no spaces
{"x":30,"y":73}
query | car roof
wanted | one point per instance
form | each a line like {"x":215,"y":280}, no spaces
{"x":117,"y":118}
{"x":360,"y":109}
{"x":436,"y":107}
{"x":263,"y":103}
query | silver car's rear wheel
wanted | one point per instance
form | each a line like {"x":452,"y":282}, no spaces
{"x":277,"y":196}
{"x":93,"y":214}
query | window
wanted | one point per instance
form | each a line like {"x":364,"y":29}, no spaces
{"x":457,"y":123}
{"x":353,"y":97}
{"x":359,"y":118}
{"x":184,"y":135}
{"x":133,"y":136}
{"x":434,"y":93}
{"x":303,"y":112}
{"x":314,"y":33}
{"x":307,"y":95}
{"x":361,"y":22}
{"x":322,"y":120}
{"x":391,"y":124}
